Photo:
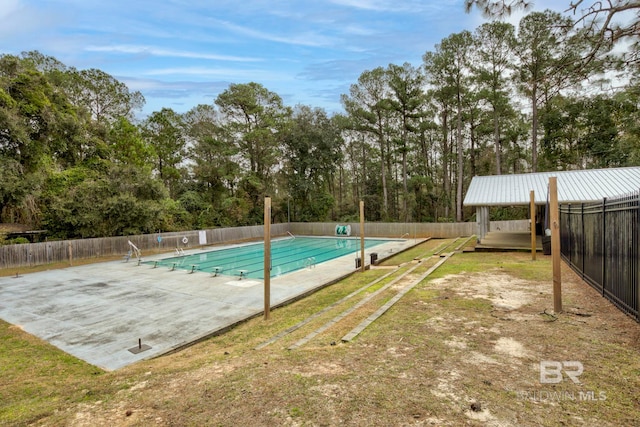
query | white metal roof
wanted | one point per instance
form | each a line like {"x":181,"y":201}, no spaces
{"x":573,"y":186}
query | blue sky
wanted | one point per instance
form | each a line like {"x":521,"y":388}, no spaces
{"x":180,"y":53}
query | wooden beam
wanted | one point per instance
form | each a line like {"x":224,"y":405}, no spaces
{"x":555,"y":244}
{"x":362,"y":236}
{"x":532,"y":202}
{"x":267,"y":257}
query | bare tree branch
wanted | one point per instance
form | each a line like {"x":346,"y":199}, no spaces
{"x":602,"y":22}
{"x":605,"y":22}
{"x":497,"y":9}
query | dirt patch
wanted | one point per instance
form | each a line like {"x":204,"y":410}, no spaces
{"x":476,"y":358}
{"x":457,"y":342}
{"x":510,"y":332}
{"x":320,"y":369}
{"x":504,"y":291}
{"x":510,"y":347}
{"x":333,"y":391}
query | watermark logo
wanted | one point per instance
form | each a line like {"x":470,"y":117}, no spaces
{"x":555,"y":372}
{"x":551,"y":371}
{"x":543,"y":396}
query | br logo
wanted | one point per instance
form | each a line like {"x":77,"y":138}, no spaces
{"x":551,"y":371}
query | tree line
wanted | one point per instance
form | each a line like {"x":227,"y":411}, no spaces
{"x":74,"y":160}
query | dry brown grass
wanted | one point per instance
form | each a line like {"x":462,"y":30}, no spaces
{"x":462,"y":348}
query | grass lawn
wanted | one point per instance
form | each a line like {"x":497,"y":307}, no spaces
{"x":464,"y":347}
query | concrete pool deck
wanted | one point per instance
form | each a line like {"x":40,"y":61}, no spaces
{"x":98,"y":312}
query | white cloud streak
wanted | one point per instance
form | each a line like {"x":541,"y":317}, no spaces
{"x":395,"y":5}
{"x":154,"y":51}
{"x":7,"y":7}
{"x":304,"y":39}
{"x":220,"y":73}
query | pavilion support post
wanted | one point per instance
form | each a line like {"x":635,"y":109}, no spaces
{"x":482,"y":221}
{"x":532,"y":208}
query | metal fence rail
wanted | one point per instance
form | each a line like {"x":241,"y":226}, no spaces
{"x":600,"y":241}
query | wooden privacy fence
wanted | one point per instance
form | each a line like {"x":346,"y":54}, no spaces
{"x":61,"y":251}
{"x":21,"y":255}
{"x":600,"y":241}
{"x":438,"y":230}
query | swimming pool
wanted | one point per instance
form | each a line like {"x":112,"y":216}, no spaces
{"x":287,"y":255}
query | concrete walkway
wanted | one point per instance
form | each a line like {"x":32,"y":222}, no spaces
{"x":99,"y":312}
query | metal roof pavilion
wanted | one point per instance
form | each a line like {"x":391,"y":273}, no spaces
{"x":573,"y":186}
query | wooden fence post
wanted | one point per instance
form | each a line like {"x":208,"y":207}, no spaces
{"x":267,"y":257}
{"x":555,"y":244}
{"x":362,"y":236}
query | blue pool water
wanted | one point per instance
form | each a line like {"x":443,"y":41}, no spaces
{"x":287,"y":255}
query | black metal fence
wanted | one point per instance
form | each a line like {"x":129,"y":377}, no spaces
{"x":600,"y":241}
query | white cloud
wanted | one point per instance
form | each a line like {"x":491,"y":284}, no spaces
{"x":304,"y":39}
{"x":19,"y":20}
{"x":8,"y":7}
{"x":154,"y":51}
{"x":359,"y":30}
{"x":231,"y":74}
{"x":173,"y":87}
{"x":414,"y":6}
